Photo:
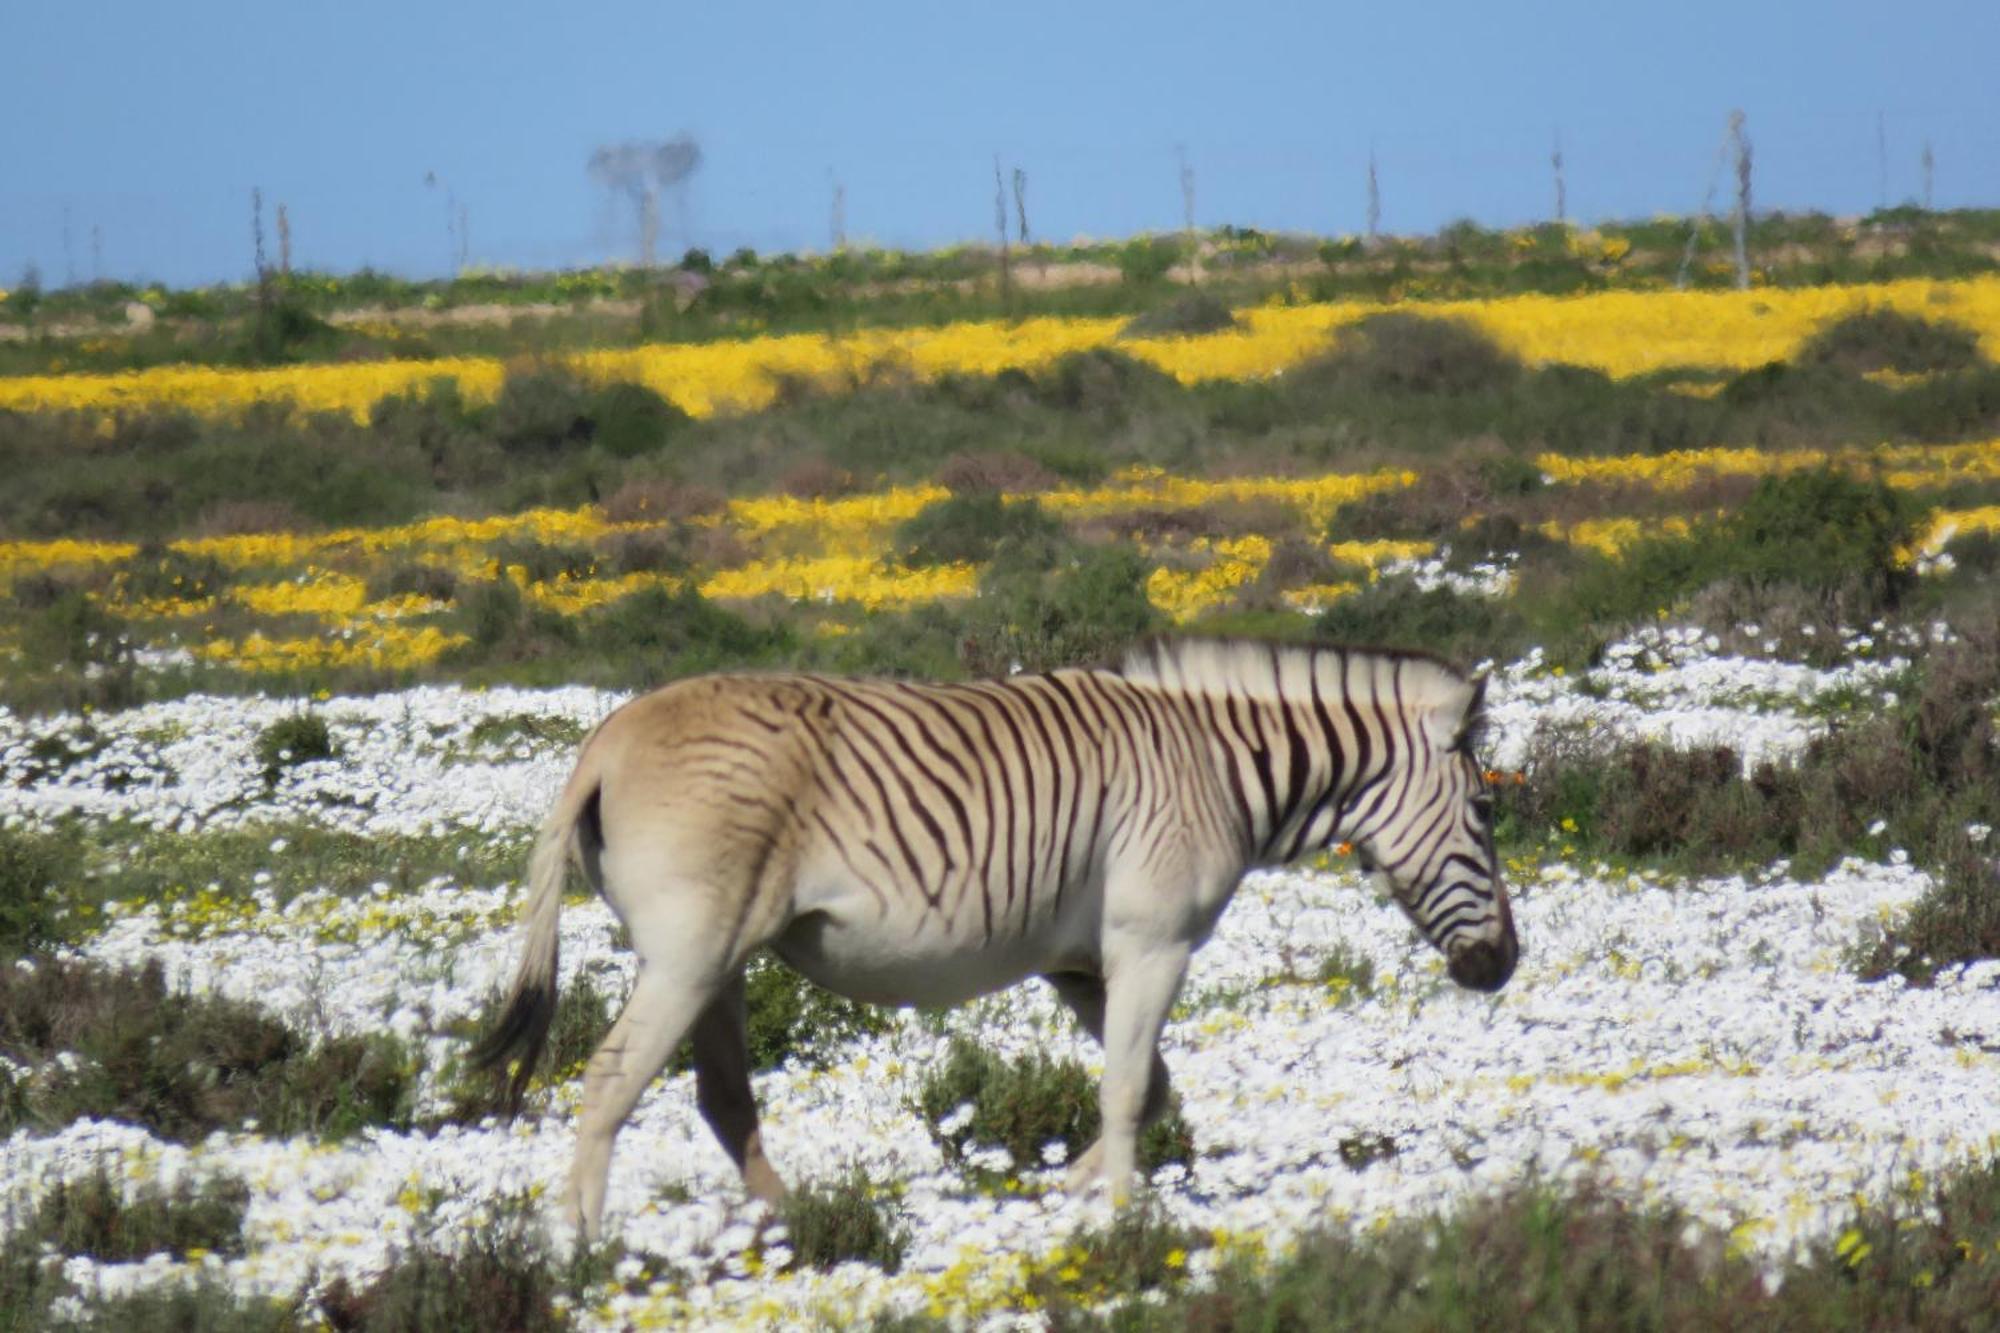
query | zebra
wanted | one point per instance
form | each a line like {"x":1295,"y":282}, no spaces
{"x":906,"y":843}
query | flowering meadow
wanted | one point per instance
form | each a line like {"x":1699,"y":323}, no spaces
{"x":268,"y":775}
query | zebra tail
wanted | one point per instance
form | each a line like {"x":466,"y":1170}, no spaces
{"x":522,"y":1032}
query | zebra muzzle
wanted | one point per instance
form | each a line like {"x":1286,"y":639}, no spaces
{"x":1483,"y":964}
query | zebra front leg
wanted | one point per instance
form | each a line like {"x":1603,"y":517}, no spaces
{"x":722,"y":1090}
{"x":1140,"y":983}
{"x":1084,"y":995}
{"x":663,"y":1003}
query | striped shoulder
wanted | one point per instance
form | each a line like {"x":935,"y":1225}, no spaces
{"x":1282,"y":672}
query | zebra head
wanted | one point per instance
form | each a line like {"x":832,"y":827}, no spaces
{"x":1428,"y":833}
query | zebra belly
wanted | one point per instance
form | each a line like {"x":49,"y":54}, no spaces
{"x":878,"y":961}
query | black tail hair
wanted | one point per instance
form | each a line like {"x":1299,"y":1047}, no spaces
{"x":521,"y":1035}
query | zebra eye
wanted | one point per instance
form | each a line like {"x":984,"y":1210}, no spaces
{"x":1482,"y":805}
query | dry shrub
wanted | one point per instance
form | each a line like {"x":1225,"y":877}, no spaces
{"x":994,"y":470}
{"x":816,"y":479}
{"x":232,"y":518}
{"x":661,"y":500}
{"x":1150,"y":525}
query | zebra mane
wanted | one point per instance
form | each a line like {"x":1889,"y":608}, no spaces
{"x":1266,"y":672}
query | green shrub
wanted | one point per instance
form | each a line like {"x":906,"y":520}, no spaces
{"x":1141,"y":1252}
{"x":972,"y":529}
{"x":1826,"y":532}
{"x":503,"y":1278}
{"x":1189,"y":315}
{"x":653,"y":635}
{"x":543,"y":411}
{"x":1100,"y":383}
{"x":850,"y":1219}
{"x":1024,"y":1104}
{"x":415,"y":578}
{"x":182,"y":1065}
{"x":162,"y":573}
{"x":633,"y":420}
{"x":33,"y":868}
{"x":1883,"y":338}
{"x":282,"y":329}
{"x":1145,"y":260}
{"x":93,"y":1217}
{"x":89,"y":1218}
{"x":1396,"y":613}
{"x":1081,"y":612}
{"x":793,"y":1019}
{"x":301,"y":738}
{"x":1416,"y":354}
{"x":541,"y":562}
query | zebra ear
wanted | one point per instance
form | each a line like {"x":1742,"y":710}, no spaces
{"x":1475,"y":711}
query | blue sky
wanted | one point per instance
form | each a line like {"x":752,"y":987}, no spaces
{"x":151,"y":123}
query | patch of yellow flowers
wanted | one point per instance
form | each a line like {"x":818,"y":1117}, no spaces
{"x":1621,"y":333}
{"x":838,"y":552}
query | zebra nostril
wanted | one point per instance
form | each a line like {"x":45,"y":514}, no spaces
{"x":1481,"y":965}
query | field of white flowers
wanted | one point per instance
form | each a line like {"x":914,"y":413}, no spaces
{"x":1701,"y":1042}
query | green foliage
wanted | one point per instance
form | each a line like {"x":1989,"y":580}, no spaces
{"x":282,"y":329}
{"x":1191,"y":314}
{"x":1928,"y":769}
{"x":33,"y":869}
{"x":94,"y":1217}
{"x":850,"y":1219}
{"x":541,"y":562}
{"x":1400,"y":352}
{"x":300,"y":738}
{"x":1081,"y":612}
{"x":182,"y":1065}
{"x":1141,"y":1252}
{"x":974,"y":528}
{"x":1396,"y":613}
{"x":632,"y":420}
{"x":503,"y":1278}
{"x":1881,"y":338}
{"x":792,"y":1019}
{"x":1023,"y":1104}
{"x":415,"y":578}
{"x":1586,"y":1259}
{"x":1146,"y":260}
{"x":162,"y":572}
{"x":1825,"y":532}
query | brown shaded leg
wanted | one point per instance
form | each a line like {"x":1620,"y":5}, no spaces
{"x":722,"y":1089}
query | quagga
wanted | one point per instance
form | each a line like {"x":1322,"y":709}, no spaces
{"x":923,"y":844}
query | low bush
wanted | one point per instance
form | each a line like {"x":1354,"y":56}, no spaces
{"x":179,"y":1064}
{"x":850,"y":1219}
{"x":1189,"y":315}
{"x":33,"y":869}
{"x":301,"y":738}
{"x":1883,"y":338}
{"x":415,"y":578}
{"x":541,"y":562}
{"x":1140,"y":1253}
{"x":505,"y":1277}
{"x":1585,"y":1258}
{"x":973,"y":529}
{"x":1416,"y":354}
{"x":1080,"y":612}
{"x":94,"y":1217}
{"x":1022,"y":1105}
{"x":161,"y":573}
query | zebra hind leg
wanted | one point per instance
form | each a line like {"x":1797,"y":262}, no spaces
{"x":1084,"y":995}
{"x":722,"y":1090}
{"x":664,"y":1003}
